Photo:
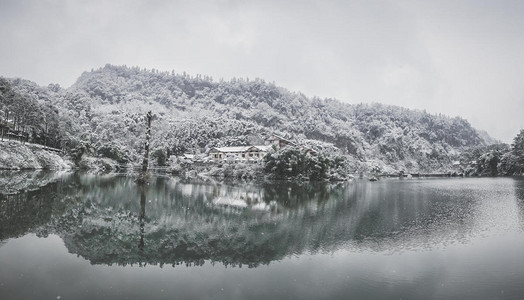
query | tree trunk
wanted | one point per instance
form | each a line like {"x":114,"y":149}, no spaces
{"x":145,"y":162}
{"x":142,"y":218}
{"x":145,"y":176}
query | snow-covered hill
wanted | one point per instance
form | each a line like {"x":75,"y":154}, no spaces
{"x":105,"y":108}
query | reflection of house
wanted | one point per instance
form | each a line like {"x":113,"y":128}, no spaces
{"x":239,"y":153}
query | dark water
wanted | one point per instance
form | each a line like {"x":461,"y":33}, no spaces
{"x":79,"y":236}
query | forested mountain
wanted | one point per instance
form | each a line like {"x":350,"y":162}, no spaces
{"x":104,"y":111}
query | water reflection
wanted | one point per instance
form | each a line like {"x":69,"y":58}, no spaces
{"x":142,"y":217}
{"x":28,"y":200}
{"x":519,"y":193}
{"x":103,"y":218}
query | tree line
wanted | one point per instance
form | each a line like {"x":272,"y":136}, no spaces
{"x":497,"y":159}
{"x":26,"y":119}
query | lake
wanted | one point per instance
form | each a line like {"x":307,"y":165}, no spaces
{"x":81,"y":236}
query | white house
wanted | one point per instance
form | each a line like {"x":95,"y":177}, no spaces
{"x":239,"y":153}
{"x":252,"y":153}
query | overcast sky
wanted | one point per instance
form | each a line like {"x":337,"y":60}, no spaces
{"x":454,"y":57}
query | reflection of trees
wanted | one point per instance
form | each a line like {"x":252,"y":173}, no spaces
{"x":21,"y":212}
{"x":185,"y":224}
{"x":41,"y":196}
{"x":142,"y":217}
{"x":293,"y":194}
{"x":519,"y":192}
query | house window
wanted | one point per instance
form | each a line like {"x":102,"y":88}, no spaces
{"x":243,"y":155}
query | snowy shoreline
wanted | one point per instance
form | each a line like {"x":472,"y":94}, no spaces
{"x":18,"y":156}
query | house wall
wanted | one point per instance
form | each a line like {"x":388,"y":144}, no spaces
{"x":242,"y":155}
{"x":216,"y":155}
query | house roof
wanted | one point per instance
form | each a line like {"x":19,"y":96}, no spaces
{"x":274,"y":137}
{"x":241,"y":148}
{"x":264,"y":147}
{"x":232,"y":149}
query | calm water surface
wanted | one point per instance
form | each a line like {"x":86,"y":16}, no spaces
{"x":81,"y":236}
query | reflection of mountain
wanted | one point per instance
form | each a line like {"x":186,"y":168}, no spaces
{"x":174,"y":222}
{"x":29,"y":199}
{"x":184,"y":223}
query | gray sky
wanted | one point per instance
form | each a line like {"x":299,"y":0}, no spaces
{"x":453,"y":57}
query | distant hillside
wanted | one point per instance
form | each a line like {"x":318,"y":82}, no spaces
{"x":192,"y":114}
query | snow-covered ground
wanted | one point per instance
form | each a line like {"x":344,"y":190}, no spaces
{"x":17,"y":156}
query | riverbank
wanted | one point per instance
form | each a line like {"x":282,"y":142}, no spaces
{"x":15,"y":155}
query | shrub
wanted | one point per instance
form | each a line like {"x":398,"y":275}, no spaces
{"x":161,"y":156}
{"x":297,"y":163}
{"x":113,"y":152}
